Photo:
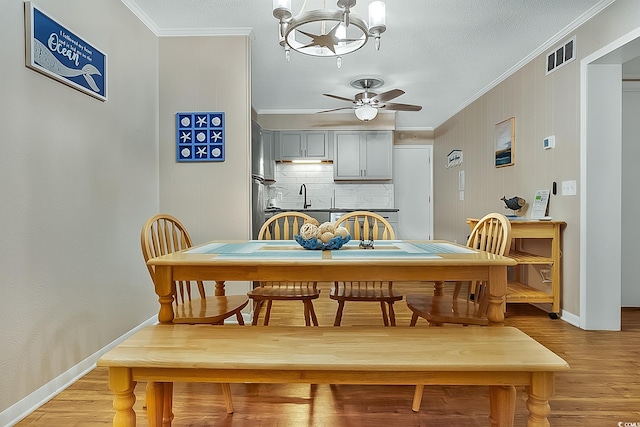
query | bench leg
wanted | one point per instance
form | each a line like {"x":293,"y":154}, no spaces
{"x":122,"y":385}
{"x":541,"y":389}
{"x":417,"y":397}
{"x":502,"y":402}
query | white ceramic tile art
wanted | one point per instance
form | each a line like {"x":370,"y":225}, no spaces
{"x":323,"y":192}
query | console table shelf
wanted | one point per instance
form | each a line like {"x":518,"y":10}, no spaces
{"x":518,"y":291}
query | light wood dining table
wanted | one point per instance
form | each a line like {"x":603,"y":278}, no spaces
{"x":285,"y":260}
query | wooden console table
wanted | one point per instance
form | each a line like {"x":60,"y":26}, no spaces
{"x":517,"y":290}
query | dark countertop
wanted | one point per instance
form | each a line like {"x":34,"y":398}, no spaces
{"x":330,"y":210}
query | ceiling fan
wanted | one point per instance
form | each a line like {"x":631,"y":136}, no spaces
{"x":367,"y":104}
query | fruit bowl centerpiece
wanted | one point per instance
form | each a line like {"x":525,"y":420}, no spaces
{"x":315,"y":243}
{"x":322,"y":237}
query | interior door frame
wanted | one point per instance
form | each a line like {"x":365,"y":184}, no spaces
{"x":600,"y":186}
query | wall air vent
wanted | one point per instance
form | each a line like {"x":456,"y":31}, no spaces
{"x":561,"y":55}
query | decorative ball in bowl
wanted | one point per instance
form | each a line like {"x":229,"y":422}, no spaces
{"x":317,"y":244}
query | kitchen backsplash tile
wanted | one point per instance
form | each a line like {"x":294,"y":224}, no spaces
{"x":321,"y":189}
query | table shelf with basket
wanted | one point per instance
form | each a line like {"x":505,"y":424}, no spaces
{"x":536,"y":247}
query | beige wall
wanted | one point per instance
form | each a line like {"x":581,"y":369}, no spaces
{"x":542,"y":105}
{"x":207,"y":74}
{"x":79,"y":177}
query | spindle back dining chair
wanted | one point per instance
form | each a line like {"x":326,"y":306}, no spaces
{"x":163,"y":234}
{"x":366,"y":226}
{"x":491,"y":234}
{"x":284,"y":226}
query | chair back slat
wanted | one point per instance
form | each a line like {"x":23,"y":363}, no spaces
{"x":283,"y":226}
{"x":161,"y":235}
{"x":365,"y":225}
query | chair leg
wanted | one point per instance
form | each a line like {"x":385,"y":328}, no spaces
{"x":417,"y":398}
{"x":167,"y":406}
{"x":226,"y":392}
{"x":256,"y":313}
{"x":414,"y":320}
{"x":312,"y":312}
{"x":392,"y":315}
{"x":154,"y":399}
{"x":385,"y":318}
{"x":307,"y":318}
{"x":267,"y":314}
{"x":338,"y":319}
{"x":240,"y":318}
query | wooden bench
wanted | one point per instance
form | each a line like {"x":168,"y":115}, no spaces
{"x":499,"y":357}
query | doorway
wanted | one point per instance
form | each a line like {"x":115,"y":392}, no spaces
{"x":601,"y":194}
{"x":412,"y":188}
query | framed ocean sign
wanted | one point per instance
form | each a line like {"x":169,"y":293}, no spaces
{"x":505,"y":136}
{"x":57,"y":52}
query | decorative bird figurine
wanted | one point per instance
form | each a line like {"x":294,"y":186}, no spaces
{"x":515,"y":203}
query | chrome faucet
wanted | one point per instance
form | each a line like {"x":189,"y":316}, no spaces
{"x":304,"y":187}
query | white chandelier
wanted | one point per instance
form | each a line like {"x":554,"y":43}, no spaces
{"x":326,"y":32}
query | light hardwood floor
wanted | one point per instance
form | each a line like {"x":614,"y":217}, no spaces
{"x":602,"y":388}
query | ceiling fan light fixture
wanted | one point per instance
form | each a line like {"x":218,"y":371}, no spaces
{"x":366,"y":113}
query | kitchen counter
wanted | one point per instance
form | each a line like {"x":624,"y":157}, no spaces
{"x":333,"y":214}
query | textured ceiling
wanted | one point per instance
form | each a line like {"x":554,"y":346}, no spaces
{"x":442,"y":53}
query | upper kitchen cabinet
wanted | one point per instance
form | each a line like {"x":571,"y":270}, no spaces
{"x":363,"y":155}
{"x":296,"y":145}
{"x":269,"y":156}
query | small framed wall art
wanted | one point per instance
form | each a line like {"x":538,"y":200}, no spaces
{"x":505,"y":138}
{"x":55,"y":51}
{"x":200,"y":137}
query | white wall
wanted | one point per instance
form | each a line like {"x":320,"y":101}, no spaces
{"x":630,"y":200}
{"x":79,"y":177}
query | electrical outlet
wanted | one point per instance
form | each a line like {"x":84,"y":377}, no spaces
{"x":569,"y":188}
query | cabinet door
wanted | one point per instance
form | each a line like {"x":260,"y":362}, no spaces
{"x":316,"y":145}
{"x":347,"y":156}
{"x":269,"y":156}
{"x":291,"y":145}
{"x":378,"y":156}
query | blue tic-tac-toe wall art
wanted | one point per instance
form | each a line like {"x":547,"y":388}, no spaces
{"x":200,"y":137}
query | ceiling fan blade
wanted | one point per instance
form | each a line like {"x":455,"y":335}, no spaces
{"x":388,"y":96}
{"x":335,"y":109}
{"x":401,"y":107}
{"x":339,"y":97}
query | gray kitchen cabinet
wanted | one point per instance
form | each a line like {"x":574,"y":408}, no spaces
{"x":363,"y":155}
{"x":269,"y":156}
{"x":295,"y":145}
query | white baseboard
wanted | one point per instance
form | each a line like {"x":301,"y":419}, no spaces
{"x":570,"y":318}
{"x":16,"y":412}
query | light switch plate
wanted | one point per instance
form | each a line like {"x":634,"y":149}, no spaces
{"x":549,"y":142}
{"x":569,"y":188}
